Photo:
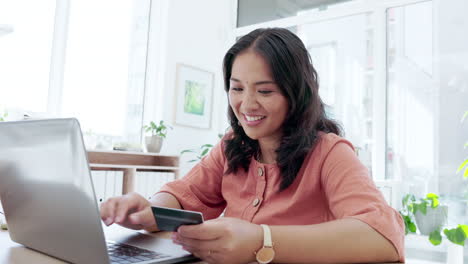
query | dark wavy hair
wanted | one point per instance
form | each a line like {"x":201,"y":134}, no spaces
{"x":292,"y":70}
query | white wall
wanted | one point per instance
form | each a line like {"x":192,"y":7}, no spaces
{"x":197,"y":35}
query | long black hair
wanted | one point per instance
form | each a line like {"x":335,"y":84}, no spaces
{"x":292,"y":70}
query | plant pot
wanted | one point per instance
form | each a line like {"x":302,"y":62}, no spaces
{"x":435,"y":218}
{"x":153,"y":143}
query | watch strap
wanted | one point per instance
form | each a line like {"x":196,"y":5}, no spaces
{"x":267,"y":242}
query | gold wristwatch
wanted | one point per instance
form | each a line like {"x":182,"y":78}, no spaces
{"x":266,"y":254}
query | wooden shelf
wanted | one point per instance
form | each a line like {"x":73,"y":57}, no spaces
{"x":130,"y":162}
{"x":146,"y":168}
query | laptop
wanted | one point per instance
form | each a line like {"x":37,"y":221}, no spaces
{"x":49,"y":202}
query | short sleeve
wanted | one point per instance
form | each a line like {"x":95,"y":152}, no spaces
{"x":351,"y":193}
{"x":200,"y":189}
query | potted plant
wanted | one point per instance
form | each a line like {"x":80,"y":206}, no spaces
{"x":430,"y":217}
{"x":154,"y":141}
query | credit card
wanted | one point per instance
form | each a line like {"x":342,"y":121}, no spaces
{"x":169,"y":219}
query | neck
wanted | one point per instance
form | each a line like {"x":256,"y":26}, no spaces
{"x":268,"y":150}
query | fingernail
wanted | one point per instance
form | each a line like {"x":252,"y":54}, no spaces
{"x":108,"y":221}
{"x":118,"y":219}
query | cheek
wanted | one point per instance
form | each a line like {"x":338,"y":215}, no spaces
{"x":234,"y":103}
{"x":282,"y":110}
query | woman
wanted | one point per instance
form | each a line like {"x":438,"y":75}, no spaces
{"x":282,"y":165}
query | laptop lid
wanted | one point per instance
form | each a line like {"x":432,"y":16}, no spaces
{"x":46,"y":190}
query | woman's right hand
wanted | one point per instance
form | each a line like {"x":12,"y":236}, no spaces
{"x":131,"y":211}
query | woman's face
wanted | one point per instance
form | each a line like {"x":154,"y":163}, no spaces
{"x":255,"y":98}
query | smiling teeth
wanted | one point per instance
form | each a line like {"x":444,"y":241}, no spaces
{"x":254,"y":118}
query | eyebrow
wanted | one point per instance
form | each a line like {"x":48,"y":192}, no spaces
{"x":256,"y":83}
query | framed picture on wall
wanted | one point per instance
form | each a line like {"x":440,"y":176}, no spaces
{"x":194,"y":92}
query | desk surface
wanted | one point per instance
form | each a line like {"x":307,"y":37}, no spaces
{"x":14,"y":253}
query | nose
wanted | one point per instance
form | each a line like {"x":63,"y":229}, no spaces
{"x":250,"y":102}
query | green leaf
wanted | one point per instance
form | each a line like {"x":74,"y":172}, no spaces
{"x":434,"y":201}
{"x":192,"y":160}
{"x":206,"y":146}
{"x":464,"y":228}
{"x":456,"y":235}
{"x":405,"y":199}
{"x":409,"y":225}
{"x":422,"y":207}
{"x":462,"y":166}
{"x":187,"y":151}
{"x":435,"y":238}
{"x":464,"y":116}
{"x":204,"y":152}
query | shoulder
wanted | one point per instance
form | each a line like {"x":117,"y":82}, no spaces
{"x":328,"y":146}
{"x":326,"y":142}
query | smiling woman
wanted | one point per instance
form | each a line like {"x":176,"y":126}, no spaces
{"x":291,"y":189}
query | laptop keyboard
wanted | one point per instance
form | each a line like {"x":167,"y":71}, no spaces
{"x":125,"y":254}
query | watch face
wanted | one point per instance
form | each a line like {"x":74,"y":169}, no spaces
{"x":265,"y":255}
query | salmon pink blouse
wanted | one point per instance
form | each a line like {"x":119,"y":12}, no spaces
{"x":331,"y":184}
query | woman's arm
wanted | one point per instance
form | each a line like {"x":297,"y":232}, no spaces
{"x":230,"y":240}
{"x":345,"y":240}
{"x":134,"y":211}
{"x":163,"y":199}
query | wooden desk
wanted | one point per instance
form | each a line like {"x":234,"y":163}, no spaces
{"x":131,"y":162}
{"x":13,"y":253}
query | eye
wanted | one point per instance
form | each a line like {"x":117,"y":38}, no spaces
{"x":236,"y":89}
{"x":265,"y":91}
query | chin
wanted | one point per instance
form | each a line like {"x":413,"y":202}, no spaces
{"x":252,"y":136}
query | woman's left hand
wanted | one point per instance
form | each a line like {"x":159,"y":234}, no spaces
{"x":221,"y":240}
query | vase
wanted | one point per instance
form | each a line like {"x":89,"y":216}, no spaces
{"x":153,"y":143}
{"x":434,"y":219}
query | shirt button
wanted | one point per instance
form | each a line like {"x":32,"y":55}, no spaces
{"x":260,"y":172}
{"x":256,"y":202}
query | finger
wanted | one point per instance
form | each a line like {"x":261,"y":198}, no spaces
{"x":144,"y":218}
{"x":208,"y":230}
{"x":122,"y":209}
{"x":197,"y":244}
{"x":206,"y":255}
{"x":107,"y":211}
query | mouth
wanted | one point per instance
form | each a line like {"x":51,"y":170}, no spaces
{"x":253,"y":120}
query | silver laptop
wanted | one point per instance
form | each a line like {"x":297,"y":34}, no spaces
{"x":49,"y":202}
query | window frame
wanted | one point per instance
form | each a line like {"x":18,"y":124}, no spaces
{"x":154,"y":73}
{"x":378,"y":9}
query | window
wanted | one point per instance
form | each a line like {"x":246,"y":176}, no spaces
{"x":104,"y":76}
{"x":26,"y":34}
{"x":394,"y":74}
{"x":427,"y":91}
{"x":341,"y":52}
{"x":84,"y":59}
{"x":253,"y":12}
